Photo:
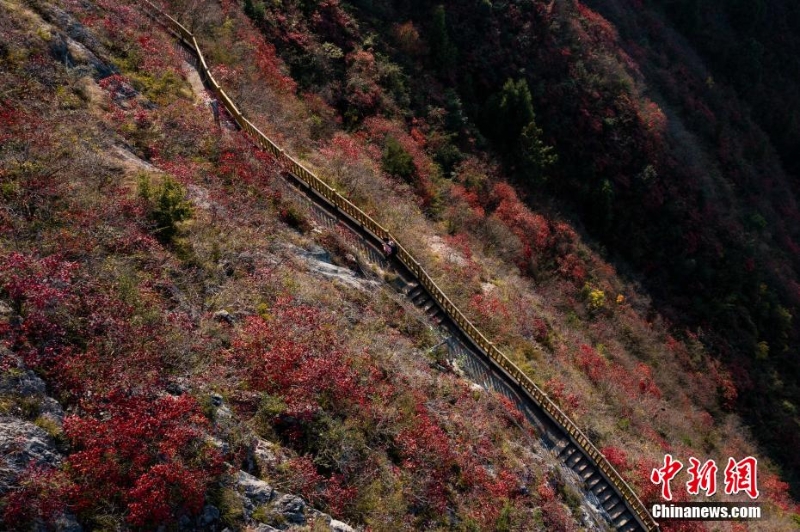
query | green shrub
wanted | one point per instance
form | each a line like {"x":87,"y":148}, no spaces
{"x":51,"y":427}
{"x":266,"y":514}
{"x":230,"y":504}
{"x":269,"y":409}
{"x":168,"y":206}
{"x":397,"y":161}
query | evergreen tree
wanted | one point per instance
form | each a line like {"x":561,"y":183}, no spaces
{"x":397,"y":161}
{"x":508,"y":112}
{"x":443,"y":51}
{"x":536,"y":157}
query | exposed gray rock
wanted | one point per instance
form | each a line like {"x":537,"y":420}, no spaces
{"x":247,"y":261}
{"x":79,"y":36}
{"x":317,"y":265}
{"x":288,"y":510}
{"x":52,"y":409}
{"x":291,"y":508}
{"x":257,"y":491}
{"x":175,"y":388}
{"x":265,"y":528}
{"x":318,"y":516}
{"x":210,"y":515}
{"x":23,"y":443}
{"x":201,"y":197}
{"x":338,"y":526}
{"x":318,"y":253}
{"x":223,"y":417}
{"x":224,"y":315}
{"x":24,"y":383}
{"x":67,"y":523}
{"x":264,"y":453}
{"x":221,"y":445}
{"x":184,"y":522}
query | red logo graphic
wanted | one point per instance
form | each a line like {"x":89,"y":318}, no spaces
{"x":703,"y":478}
{"x":665,"y":474}
{"x":740,"y":476}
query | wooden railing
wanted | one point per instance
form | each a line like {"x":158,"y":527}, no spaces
{"x":340,"y":203}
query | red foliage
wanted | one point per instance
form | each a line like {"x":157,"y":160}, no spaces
{"x":460,"y":241}
{"x":337,"y":496}
{"x":364,"y":93}
{"x":616,"y":457}
{"x":10,"y":119}
{"x":599,"y":28}
{"x":725,"y":383}
{"x":648,"y":492}
{"x":469,"y":197}
{"x":263,"y":55}
{"x":304,"y":479}
{"x":425,"y":449}
{"x":591,"y":363}
{"x":158,"y":54}
{"x":495,"y":313}
{"x":512,"y":412}
{"x":646,"y":384}
{"x":379,"y":128}
{"x":343,"y":146}
{"x":42,"y":494}
{"x":531,"y":228}
{"x":39,"y":288}
{"x":490,"y":306}
{"x":117,"y":86}
{"x":145,"y":455}
{"x":554,"y":514}
{"x":333,"y":21}
{"x":777,"y":492}
{"x":570,"y":403}
{"x":571,"y":267}
{"x":295,"y":354}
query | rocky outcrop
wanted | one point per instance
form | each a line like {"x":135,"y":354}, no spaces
{"x":270,"y":509}
{"x":28,"y":422}
{"x":318,"y":261}
{"x":22,"y":444}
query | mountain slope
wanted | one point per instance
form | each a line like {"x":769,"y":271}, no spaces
{"x":649,"y":150}
{"x":386,"y":420}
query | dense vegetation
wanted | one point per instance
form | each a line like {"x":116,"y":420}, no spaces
{"x":682,"y":172}
{"x":112,"y":264}
{"x":519,"y":149}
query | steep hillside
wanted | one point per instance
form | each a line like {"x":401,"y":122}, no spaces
{"x":680,"y":170}
{"x":173,"y":322}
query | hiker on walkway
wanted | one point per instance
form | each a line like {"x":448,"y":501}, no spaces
{"x":389,"y":248}
{"x":215,"y":110}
